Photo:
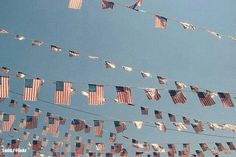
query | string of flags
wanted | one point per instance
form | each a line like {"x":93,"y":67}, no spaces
{"x":96,"y":93}
{"x":205,"y":94}
{"x":160,"y":21}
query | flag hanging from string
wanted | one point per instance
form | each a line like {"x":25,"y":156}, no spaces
{"x":226,"y":99}
{"x":7,"y":122}
{"x":63,"y":92}
{"x":205,"y":99}
{"x":160,"y":22}
{"x":152,"y":93}
{"x":124,"y":95}
{"x":107,"y":4}
{"x":75,"y":4}
{"x":31,"y":90}
{"x":4,"y":87}
{"x":98,"y":128}
{"x":96,"y":94}
{"x":177,"y":96}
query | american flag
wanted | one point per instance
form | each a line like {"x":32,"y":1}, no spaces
{"x":107,"y":4}
{"x":172,"y":148}
{"x":158,"y":114}
{"x":124,"y":153}
{"x":98,"y":128}
{"x":25,"y":136}
{"x":162,"y":80}
{"x":177,"y":96}
{"x":37,"y":43}
{"x":124,"y":95}
{"x":25,"y":108}
{"x":109,"y":154}
{"x":100,"y":147}
{"x":36,"y":145}
{"x":96,"y":94}
{"x":53,"y":124}
{"x":37,"y":112}
{"x":205,"y":99}
{"x":75,"y":4}
{"x":144,"y":110}
{"x":156,"y":154}
{"x":15,"y":143}
{"x":31,"y":122}
{"x":133,"y":6}
{"x":4,"y":86}
{"x":138,"y":154}
{"x":181,"y":153}
{"x":152,"y":94}
{"x":67,"y":137}
{"x":194,"y":89}
{"x":4,"y":70}
{"x":161,"y":126}
{"x":31,"y":90}
{"x":186,"y":148}
{"x":63,"y":92}
{"x":79,"y":148}
{"x":186,"y":120}
{"x":172,"y":117}
{"x":219,"y":146}
{"x":87,"y":129}
{"x":67,"y":148}
{"x":112,"y":137}
{"x":197,"y":127}
{"x":226,"y":99}
{"x":77,"y":125}
{"x":180,"y":85}
{"x":55,"y":48}
{"x":120,"y":126}
{"x":231,"y":145}
{"x":204,"y":146}
{"x":8,"y":121}
{"x":199,"y":153}
{"x":160,"y":22}
{"x":13,"y":103}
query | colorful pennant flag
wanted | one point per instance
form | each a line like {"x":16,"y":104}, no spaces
{"x":177,"y":96}
{"x":152,"y":93}
{"x":75,"y":4}
{"x":160,"y":22}
{"x":96,"y":94}
{"x":124,"y":95}
{"x":63,"y":92}
{"x":4,"y":87}
{"x":31,"y":90}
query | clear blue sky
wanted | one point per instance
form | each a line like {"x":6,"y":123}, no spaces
{"x":128,"y":38}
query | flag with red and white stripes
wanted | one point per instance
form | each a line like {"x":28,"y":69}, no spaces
{"x":75,"y":4}
{"x":53,"y":124}
{"x":226,"y":99}
{"x":31,"y":90}
{"x":8,"y":121}
{"x":120,"y":126}
{"x":205,"y":99}
{"x":36,"y":145}
{"x":177,"y":96}
{"x":4,"y":86}
{"x":31,"y":122}
{"x":98,"y":128}
{"x":96,"y":94}
{"x":124,"y":95}
{"x":79,"y":148}
{"x":63,"y":92}
{"x":152,"y":94}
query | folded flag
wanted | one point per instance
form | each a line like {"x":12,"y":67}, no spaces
{"x":180,"y":85}
{"x":120,"y":126}
{"x":160,"y":22}
{"x":177,"y":96}
{"x":152,"y":93}
{"x":214,"y":34}
{"x":107,"y":4}
{"x":75,"y":4}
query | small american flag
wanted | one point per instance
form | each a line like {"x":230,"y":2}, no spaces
{"x":220,"y":146}
{"x":90,"y":144}
{"x":158,"y":114}
{"x":156,"y":154}
{"x":15,"y":143}
{"x":177,"y":96}
{"x":124,"y":95}
{"x":107,"y":4}
{"x":197,"y":127}
{"x":231,"y":145}
{"x":87,"y":129}
{"x":186,"y":120}
{"x":226,"y":99}
{"x":53,"y":125}
{"x":112,"y":137}
{"x":4,"y":86}
{"x":124,"y":153}
{"x":75,"y":4}
{"x":55,"y":48}
{"x":96,"y":94}
{"x":77,"y":125}
{"x":160,"y":22}
{"x":31,"y":90}
{"x":186,"y":147}
{"x":79,"y":148}
{"x":8,"y":121}
{"x":144,"y":110}
{"x":172,"y":117}
{"x":162,"y":80}
{"x":100,"y":147}
{"x":194,"y":89}
{"x":36,"y":145}
{"x":98,"y":127}
{"x":67,"y":137}
{"x":63,"y":92}
{"x":172,"y":148}
{"x":199,"y":153}
{"x":204,"y":146}
{"x":205,"y":99}
{"x":120,"y":126}
{"x":152,"y":94}
{"x":138,"y":154}
{"x":13,"y":103}
{"x":37,"y":43}
{"x":31,"y":122}
{"x":37,"y":112}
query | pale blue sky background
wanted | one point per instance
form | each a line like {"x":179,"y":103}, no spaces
{"x":128,"y":38}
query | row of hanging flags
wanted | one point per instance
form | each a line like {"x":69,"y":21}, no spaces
{"x":64,"y":91}
{"x":197,"y":125}
{"x":160,"y":21}
{"x":96,"y":92}
{"x":81,"y":148}
{"x":78,"y":125}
